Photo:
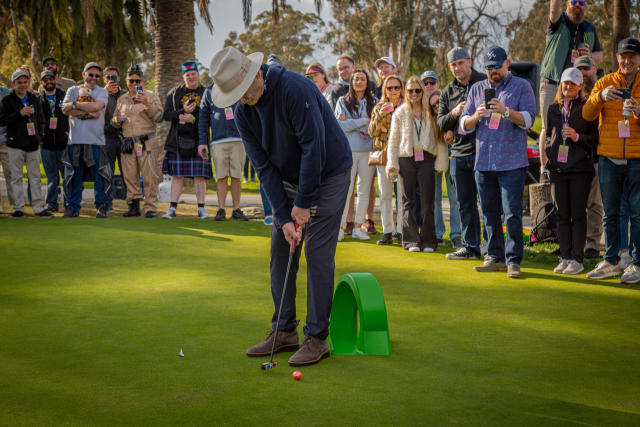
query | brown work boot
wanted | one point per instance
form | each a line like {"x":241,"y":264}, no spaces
{"x":313,"y":349}
{"x":286,"y":341}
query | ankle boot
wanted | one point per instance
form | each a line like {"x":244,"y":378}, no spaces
{"x":134,"y":208}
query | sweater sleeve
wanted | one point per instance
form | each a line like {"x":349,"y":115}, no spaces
{"x":171,"y":114}
{"x":348,"y":125}
{"x":7,"y":117}
{"x":394,"y":143}
{"x":204,"y":119}
{"x":375,"y":128}
{"x":267,"y":173}
{"x":303,"y":109}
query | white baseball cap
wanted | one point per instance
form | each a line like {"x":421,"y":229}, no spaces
{"x":572,"y":75}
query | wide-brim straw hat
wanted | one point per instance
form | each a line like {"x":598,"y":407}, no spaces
{"x":232,"y":72}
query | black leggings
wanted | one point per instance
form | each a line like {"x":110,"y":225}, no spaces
{"x":570,"y":194}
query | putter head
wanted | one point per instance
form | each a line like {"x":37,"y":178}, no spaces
{"x":266,"y":366}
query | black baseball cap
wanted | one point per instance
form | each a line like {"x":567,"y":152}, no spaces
{"x":629,"y":45}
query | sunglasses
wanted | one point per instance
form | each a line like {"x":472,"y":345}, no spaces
{"x":136,"y":81}
{"x":48,"y":79}
{"x":434,"y":106}
{"x":95,"y":76}
{"x":414,"y":90}
{"x":429,"y":82}
{"x":394,"y":88}
{"x":309,"y":76}
{"x":575,"y":2}
{"x":493,"y":67}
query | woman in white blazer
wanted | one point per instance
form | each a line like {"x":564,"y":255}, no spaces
{"x":416,"y":148}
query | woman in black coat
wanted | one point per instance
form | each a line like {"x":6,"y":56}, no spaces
{"x":568,"y":151}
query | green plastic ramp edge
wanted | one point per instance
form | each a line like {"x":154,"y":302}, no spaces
{"x":358,"y":322}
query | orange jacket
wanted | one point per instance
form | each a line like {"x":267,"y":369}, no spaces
{"x":610,"y":113}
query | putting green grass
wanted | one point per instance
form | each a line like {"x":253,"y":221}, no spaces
{"x":94,"y":312}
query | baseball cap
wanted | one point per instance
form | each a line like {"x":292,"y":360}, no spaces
{"x":189,"y":66}
{"x":17,"y":74}
{"x":91,"y":65}
{"x":429,"y":75}
{"x":572,"y":75}
{"x":584,"y":61}
{"x":629,"y":45}
{"x":387,"y":60}
{"x":46,"y":73}
{"x":457,"y":53}
{"x":495,"y":55}
{"x":49,"y":58}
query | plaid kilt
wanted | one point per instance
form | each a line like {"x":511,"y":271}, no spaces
{"x":187,"y":167}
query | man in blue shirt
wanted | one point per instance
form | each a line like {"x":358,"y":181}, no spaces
{"x":501,"y":156}
{"x":304,"y":162}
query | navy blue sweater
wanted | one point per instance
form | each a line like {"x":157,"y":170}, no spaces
{"x":292,"y":135}
{"x":213,"y":124}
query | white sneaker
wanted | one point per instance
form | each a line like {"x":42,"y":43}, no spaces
{"x":560,"y":267}
{"x":359,"y":234}
{"x":171,"y":213}
{"x":604,"y":270}
{"x":340,"y":235}
{"x":427,"y":250}
{"x":573,"y":267}
{"x":202,"y":213}
{"x":625,"y":260}
{"x":631,"y":274}
{"x":414,"y":249}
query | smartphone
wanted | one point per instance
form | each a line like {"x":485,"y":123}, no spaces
{"x":489,"y":94}
{"x":625,"y":92}
{"x":581,"y":45}
{"x":113,"y":78}
{"x":139,"y":89}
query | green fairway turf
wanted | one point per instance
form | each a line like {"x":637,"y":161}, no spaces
{"x":94,"y":312}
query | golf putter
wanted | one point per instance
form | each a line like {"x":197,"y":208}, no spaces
{"x":266,"y":366}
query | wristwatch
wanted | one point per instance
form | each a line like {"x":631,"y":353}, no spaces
{"x":74,"y":105}
{"x":506,"y":113}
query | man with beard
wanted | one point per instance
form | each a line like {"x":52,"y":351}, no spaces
{"x":568,"y":37}
{"x":501,"y":156}
{"x":594,"y":204}
{"x":51,"y":64}
{"x":463,"y":149}
{"x":86,"y":142}
{"x":55,"y":135}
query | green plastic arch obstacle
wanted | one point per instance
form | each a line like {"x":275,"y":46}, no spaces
{"x":359,"y":317}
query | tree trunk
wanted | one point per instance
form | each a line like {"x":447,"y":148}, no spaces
{"x":621,"y":25}
{"x":175,"y":43}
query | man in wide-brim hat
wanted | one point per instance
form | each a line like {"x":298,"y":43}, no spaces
{"x":303,"y":161}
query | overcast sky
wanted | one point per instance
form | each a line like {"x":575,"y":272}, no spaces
{"x":227,"y":17}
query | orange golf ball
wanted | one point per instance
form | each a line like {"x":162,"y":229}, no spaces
{"x":297,"y":375}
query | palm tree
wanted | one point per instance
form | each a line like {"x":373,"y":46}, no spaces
{"x":621,"y":24}
{"x":247,"y":6}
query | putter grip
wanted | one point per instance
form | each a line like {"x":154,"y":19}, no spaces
{"x":292,"y":247}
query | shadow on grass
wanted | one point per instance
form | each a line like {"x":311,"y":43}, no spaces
{"x":578,"y":279}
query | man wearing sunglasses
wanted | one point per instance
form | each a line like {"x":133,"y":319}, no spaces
{"x":86,"y":143}
{"x":568,"y":37}
{"x":500,"y":109}
{"x":51,"y":64}
{"x":55,"y":136}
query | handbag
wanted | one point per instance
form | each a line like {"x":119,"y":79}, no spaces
{"x":187,"y":147}
{"x":377,"y":158}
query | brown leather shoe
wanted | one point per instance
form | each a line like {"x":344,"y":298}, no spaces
{"x":312,"y":351}
{"x":286,"y":341}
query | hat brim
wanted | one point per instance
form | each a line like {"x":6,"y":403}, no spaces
{"x":620,"y":52}
{"x":224,"y":99}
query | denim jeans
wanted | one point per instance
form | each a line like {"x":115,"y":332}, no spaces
{"x":265,"y":203}
{"x":54,"y":170}
{"x":613,"y":179}
{"x":74,"y":200}
{"x":466,"y":190}
{"x":508,"y":186}
{"x":454,"y":206}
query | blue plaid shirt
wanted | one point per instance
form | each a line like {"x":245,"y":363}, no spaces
{"x":504,"y":148}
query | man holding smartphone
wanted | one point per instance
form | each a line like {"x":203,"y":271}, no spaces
{"x":138,"y":112}
{"x":614,"y":101}
{"x":500,"y":109}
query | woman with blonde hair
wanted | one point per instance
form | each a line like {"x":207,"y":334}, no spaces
{"x":379,"y":127}
{"x":416,"y":148}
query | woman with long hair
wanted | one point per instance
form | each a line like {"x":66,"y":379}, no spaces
{"x":353,"y":111}
{"x":568,"y":150}
{"x":379,"y":127}
{"x":416,"y":148}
